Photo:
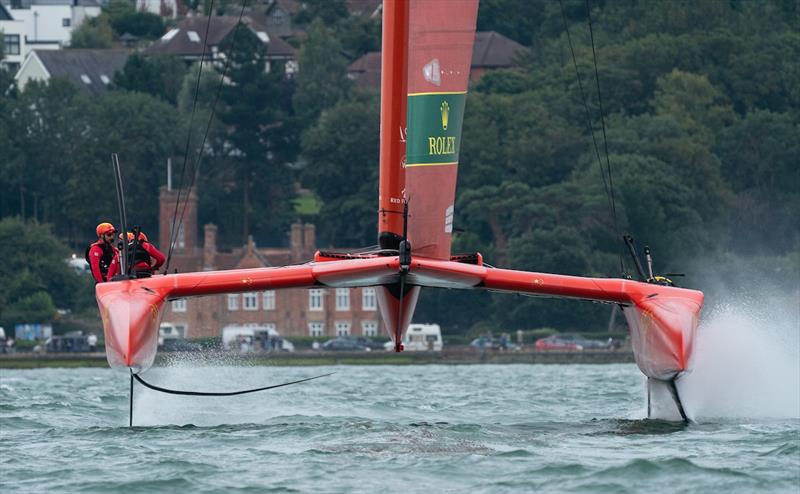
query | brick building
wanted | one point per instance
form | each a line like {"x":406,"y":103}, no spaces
{"x":322,"y":312}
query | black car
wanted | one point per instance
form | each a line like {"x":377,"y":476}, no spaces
{"x":347,"y":344}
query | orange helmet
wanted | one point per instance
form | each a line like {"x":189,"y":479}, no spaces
{"x":104,"y":228}
{"x":142,"y":237}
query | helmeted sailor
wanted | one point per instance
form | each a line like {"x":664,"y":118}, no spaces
{"x":143,"y":255}
{"x":102,"y":256}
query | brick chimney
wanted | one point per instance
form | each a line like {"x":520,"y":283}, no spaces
{"x":309,"y":240}
{"x":296,"y":242}
{"x":186,"y":238}
{"x":209,"y":246}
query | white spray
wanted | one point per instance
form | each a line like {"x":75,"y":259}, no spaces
{"x":747,"y":361}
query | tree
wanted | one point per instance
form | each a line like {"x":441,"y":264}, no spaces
{"x":36,"y":276}
{"x":322,"y":80}
{"x":159,"y":76}
{"x":341,"y":152}
{"x":142,"y":24}
{"x":94,"y":32}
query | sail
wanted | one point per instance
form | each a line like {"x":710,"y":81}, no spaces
{"x":441,"y":35}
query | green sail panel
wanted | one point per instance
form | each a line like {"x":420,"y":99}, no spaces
{"x":434,"y":128}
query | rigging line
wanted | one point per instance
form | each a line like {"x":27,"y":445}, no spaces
{"x":229,"y":393}
{"x":199,"y":158}
{"x":602,"y":117}
{"x":588,"y":112}
{"x":603,"y":126}
{"x":173,"y":232}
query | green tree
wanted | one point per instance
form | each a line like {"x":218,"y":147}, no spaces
{"x":94,"y":32}
{"x":160,"y":76}
{"x":36,"y":276}
{"x":142,"y":24}
{"x":341,"y":152}
{"x":322,"y":80}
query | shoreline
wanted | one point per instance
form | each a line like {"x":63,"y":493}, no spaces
{"x":451,"y":356}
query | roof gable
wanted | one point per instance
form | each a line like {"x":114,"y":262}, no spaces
{"x":492,"y":49}
{"x":5,"y":15}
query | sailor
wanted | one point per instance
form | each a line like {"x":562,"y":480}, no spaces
{"x":102,"y":256}
{"x":146,"y":259}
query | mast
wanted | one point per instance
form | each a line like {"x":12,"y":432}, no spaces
{"x":394,"y":77}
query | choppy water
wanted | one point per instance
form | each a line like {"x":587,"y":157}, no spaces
{"x":510,"y":428}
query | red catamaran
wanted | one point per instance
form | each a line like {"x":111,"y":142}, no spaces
{"x":427,"y":48}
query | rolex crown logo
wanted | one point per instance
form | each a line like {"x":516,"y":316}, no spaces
{"x":445,"y":108}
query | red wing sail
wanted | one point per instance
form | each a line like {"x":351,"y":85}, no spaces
{"x":441,"y":35}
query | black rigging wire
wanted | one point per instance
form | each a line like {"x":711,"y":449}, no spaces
{"x":608,"y":185}
{"x":172,"y":231}
{"x":199,"y":157}
{"x":209,"y":393}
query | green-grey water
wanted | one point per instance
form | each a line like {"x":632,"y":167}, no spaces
{"x":481,"y":428}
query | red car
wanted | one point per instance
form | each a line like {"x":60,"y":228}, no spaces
{"x":558,"y":342}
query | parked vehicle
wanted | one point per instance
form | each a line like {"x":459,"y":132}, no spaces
{"x":348,"y":344}
{"x":420,"y":338}
{"x":246,"y":338}
{"x":494,"y":343}
{"x":570,"y":342}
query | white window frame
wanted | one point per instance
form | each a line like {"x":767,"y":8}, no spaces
{"x":250,"y":301}
{"x":369,"y":328}
{"x":369,"y":299}
{"x":316,"y":303}
{"x":268,"y":300}
{"x":343,"y":328}
{"x":342,"y":299}
{"x":316,"y":328}
{"x":179,"y":305}
{"x":233,"y":301}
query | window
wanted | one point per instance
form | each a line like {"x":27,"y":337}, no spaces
{"x":105,"y":80}
{"x":193,"y":36}
{"x":85,"y":78}
{"x":250,"y":301}
{"x":292,"y":67}
{"x":179,"y":305}
{"x":233,"y":301}
{"x":268,"y":303}
{"x":66,"y":22}
{"x":263,"y":36}
{"x":316,"y":329}
{"x":368,"y":299}
{"x":342,"y":328}
{"x":369,"y":328}
{"x":278,"y":17}
{"x":342,"y":299}
{"x":315,"y":299}
{"x":170,"y":34}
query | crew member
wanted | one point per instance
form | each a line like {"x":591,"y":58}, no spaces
{"x":102,"y":256}
{"x":146,"y":259}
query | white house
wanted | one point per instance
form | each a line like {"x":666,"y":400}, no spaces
{"x":13,"y":35}
{"x":49,"y":23}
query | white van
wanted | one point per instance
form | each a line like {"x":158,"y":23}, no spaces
{"x":243,"y":338}
{"x":420,"y":338}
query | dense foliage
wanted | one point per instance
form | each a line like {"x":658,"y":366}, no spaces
{"x":701,"y":112}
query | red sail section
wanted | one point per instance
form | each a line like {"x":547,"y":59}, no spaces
{"x":441,"y":35}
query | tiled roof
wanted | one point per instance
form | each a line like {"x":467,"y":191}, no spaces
{"x":492,"y":49}
{"x":187,"y":38}
{"x":91,"y":70}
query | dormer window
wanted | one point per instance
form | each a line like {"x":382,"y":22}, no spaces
{"x":263,"y":36}
{"x":85,"y":79}
{"x":193,"y":36}
{"x":278,"y":17}
{"x":104,"y":78}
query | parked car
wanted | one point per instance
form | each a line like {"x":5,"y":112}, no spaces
{"x":494,"y":343}
{"x":571,"y":342}
{"x":558,"y":342}
{"x":420,"y":338}
{"x":347,"y":344}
